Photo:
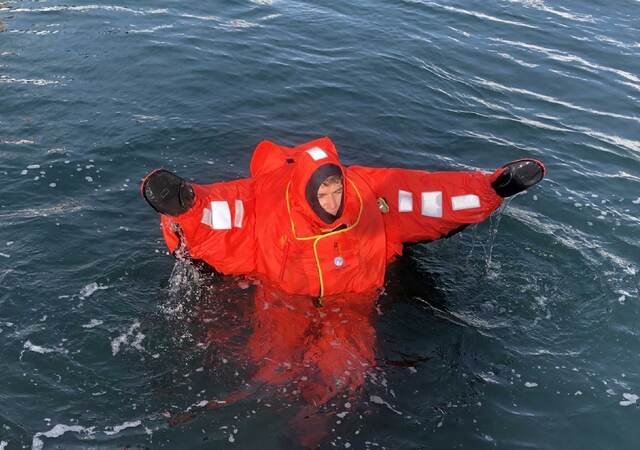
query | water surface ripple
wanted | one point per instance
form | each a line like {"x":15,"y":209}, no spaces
{"x":521,"y":332}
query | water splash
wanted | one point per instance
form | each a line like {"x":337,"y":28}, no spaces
{"x":494,"y":224}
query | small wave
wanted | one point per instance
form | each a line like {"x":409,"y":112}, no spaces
{"x":144,"y":118}
{"x":616,"y":43}
{"x":90,"y":288}
{"x":152,"y":29}
{"x":35,"y":32}
{"x":573,"y":239}
{"x":628,"y":144}
{"x":480,"y":15}
{"x":557,"y":55}
{"x":516,"y":60}
{"x":93,"y":323}
{"x":85,"y":8}
{"x":18,"y":142}
{"x":28,"y":346}
{"x":562,"y":73}
{"x":464,"y":33}
{"x":538,"y":124}
{"x":233,"y":23}
{"x":269,"y":17}
{"x":565,"y":234}
{"x":496,"y":140}
{"x":28,"y":213}
{"x":57,"y":431}
{"x":541,"y":6}
{"x":118,"y":428}
{"x":34,"y":81}
{"x":497,"y":87}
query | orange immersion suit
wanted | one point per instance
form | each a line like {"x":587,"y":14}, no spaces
{"x":265,"y":226}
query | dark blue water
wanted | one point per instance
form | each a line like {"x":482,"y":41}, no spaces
{"x":519,"y":333}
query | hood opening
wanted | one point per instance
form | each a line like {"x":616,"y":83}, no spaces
{"x":311,"y":191}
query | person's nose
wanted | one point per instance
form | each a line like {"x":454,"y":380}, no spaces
{"x":334,"y":202}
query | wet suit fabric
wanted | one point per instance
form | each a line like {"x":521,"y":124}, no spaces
{"x":265,"y":225}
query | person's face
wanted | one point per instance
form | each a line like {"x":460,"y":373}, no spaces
{"x":330,"y":197}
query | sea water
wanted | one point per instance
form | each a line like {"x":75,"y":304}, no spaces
{"x":520,"y":332}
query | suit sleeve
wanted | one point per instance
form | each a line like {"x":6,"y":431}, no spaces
{"x":218,"y":228}
{"x":425,"y":206}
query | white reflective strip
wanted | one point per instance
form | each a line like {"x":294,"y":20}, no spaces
{"x":220,"y":215}
{"x":465,"y":202}
{"x":206,"y":217}
{"x":237,"y":219}
{"x":432,"y":204}
{"x":317,"y":153}
{"x":405,"y":201}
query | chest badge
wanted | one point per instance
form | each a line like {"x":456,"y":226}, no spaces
{"x":338,"y":261}
{"x":383,"y":205}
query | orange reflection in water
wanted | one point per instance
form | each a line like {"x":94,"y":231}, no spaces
{"x":308,"y":354}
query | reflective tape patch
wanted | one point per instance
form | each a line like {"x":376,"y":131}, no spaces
{"x":206,"y":216}
{"x":432,"y":204}
{"x":220,"y":215}
{"x":465,"y":202}
{"x":237,"y":219}
{"x":317,"y":153}
{"x":405,"y":201}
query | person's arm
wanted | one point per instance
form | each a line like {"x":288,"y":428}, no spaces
{"x":424,"y":206}
{"x":213,"y":223}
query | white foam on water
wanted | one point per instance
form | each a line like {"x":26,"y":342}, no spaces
{"x":5,"y":255}
{"x":90,"y":288}
{"x":40,"y":349}
{"x":636,"y":201}
{"x":541,"y":6}
{"x":19,"y":142}
{"x":85,"y":8}
{"x":3,"y":444}
{"x":530,"y":384}
{"x":629,"y":399}
{"x":485,"y":16}
{"x":151,"y":30}
{"x":94,"y":323}
{"x":26,"y":213}
{"x":118,"y":428}
{"x":57,"y":431}
{"x":378,"y":400}
{"x":34,"y":81}
{"x":131,"y":337}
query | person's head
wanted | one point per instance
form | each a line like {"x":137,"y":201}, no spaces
{"x":330,"y":194}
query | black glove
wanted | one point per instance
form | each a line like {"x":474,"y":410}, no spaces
{"x":518,"y":176}
{"x":167,"y":193}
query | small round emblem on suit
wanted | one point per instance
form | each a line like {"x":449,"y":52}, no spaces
{"x":338,"y":261}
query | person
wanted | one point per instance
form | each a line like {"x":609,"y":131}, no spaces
{"x":309,"y":228}
{"x":306,"y":224}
